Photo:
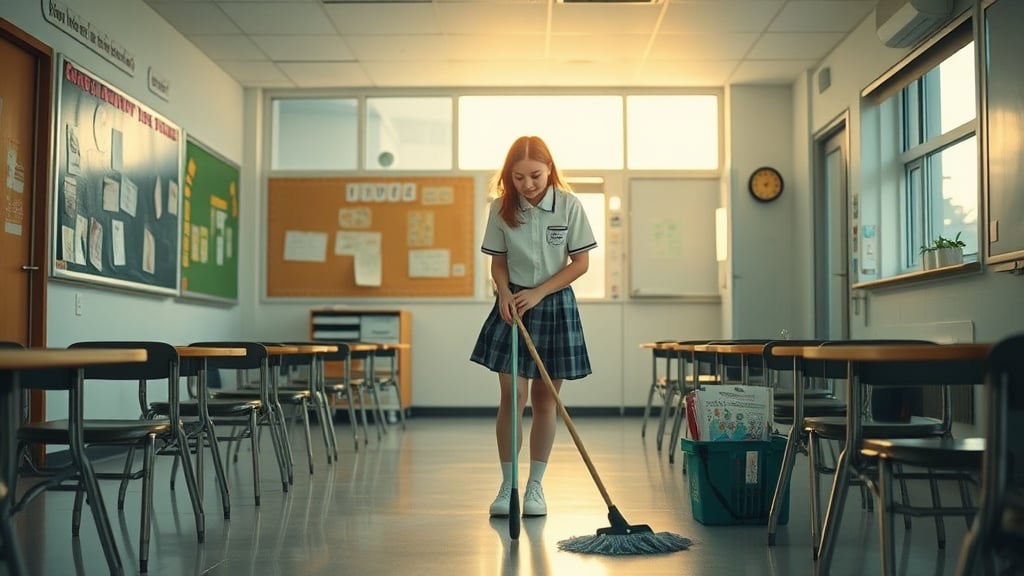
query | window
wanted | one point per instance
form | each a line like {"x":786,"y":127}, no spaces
{"x":314,"y":134}
{"x":919,"y":156}
{"x":673,"y":132}
{"x":583,"y":132}
{"x":940,"y":156}
{"x":409,"y":133}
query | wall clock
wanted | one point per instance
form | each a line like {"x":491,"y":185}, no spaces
{"x":765,"y":184}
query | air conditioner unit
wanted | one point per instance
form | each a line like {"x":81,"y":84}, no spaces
{"x":904,"y":23}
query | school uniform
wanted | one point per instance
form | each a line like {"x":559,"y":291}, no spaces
{"x":536,"y":250}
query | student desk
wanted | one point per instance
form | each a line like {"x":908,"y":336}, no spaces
{"x":193,"y":364}
{"x":885,"y":365}
{"x":12,"y":364}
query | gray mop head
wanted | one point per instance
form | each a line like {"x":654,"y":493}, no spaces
{"x":626,"y":544}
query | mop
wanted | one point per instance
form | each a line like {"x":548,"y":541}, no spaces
{"x":513,"y":505}
{"x":621,"y":538}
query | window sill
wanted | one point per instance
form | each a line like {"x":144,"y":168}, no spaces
{"x":920,"y":276}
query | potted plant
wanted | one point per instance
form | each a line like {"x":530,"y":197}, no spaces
{"x":928,"y":257}
{"x":943,"y":252}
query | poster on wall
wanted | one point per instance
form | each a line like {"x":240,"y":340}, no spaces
{"x":116,"y":216}
{"x":209,"y":231}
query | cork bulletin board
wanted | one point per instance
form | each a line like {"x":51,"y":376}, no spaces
{"x":388,"y":237}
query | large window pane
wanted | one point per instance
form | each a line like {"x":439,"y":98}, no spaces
{"x":954,"y":101}
{"x":677,"y":132}
{"x":955,"y":196}
{"x":409,"y":133}
{"x":581,"y":131}
{"x":314,"y":134}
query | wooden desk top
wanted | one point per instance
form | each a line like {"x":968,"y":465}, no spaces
{"x":682,"y":346}
{"x":730,"y":348}
{"x":283,"y":350}
{"x":314,"y":348}
{"x":364,"y":347}
{"x":67,"y":357}
{"x":395,"y":346}
{"x":657,"y":345}
{"x":208,"y":351}
{"x":899,"y":352}
{"x":791,"y":350}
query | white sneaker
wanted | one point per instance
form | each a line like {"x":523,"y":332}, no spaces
{"x":502,"y":501}
{"x":533,"y":500}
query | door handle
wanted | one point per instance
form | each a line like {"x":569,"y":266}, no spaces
{"x":29,"y":268}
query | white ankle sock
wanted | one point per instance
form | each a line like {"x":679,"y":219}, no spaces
{"x":537,"y":469}
{"x":506,"y":472}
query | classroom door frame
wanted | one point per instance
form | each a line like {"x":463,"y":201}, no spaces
{"x":833,"y":224}
{"x":30,"y":330}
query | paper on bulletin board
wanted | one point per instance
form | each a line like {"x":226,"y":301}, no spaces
{"x":301,"y":246}
{"x":429,"y":263}
{"x":367,"y":261}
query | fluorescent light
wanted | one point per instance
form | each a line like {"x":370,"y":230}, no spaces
{"x":721,"y":234}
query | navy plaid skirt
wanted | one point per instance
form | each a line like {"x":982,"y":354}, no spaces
{"x":557,"y":333}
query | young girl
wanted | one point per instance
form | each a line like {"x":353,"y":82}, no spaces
{"x":539,"y":240}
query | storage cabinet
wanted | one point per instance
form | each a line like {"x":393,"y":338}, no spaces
{"x":378,"y":326}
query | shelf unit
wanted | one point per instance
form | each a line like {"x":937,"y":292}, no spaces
{"x":377,"y":326}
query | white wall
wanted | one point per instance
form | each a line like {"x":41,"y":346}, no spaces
{"x":206,"y":103}
{"x":764,"y":264}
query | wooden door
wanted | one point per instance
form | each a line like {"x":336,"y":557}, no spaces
{"x":26,"y":102}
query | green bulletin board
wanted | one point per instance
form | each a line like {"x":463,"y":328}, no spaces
{"x":209,"y":233}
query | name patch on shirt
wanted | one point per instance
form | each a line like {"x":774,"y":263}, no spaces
{"x":557,"y":234}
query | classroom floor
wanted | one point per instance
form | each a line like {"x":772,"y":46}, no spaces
{"x":416,"y":503}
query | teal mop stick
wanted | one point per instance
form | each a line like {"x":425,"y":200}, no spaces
{"x":513,"y":507}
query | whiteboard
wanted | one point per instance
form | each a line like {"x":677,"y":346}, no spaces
{"x":672,"y":238}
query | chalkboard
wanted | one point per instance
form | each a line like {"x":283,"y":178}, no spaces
{"x":117,"y":171}
{"x":1005,"y":128}
{"x":400,"y":236}
{"x":672,"y":238}
{"x":209,"y":225}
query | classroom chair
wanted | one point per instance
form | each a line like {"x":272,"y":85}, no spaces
{"x":995,"y":542}
{"x":78,"y":432}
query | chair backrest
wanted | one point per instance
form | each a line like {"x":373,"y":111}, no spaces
{"x":11,"y":345}
{"x":1005,"y":387}
{"x":341,"y":355}
{"x":161,"y":361}
{"x":255,"y":355}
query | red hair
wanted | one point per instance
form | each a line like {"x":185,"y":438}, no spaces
{"x":524,"y":148}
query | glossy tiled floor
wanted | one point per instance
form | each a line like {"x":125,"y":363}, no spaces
{"x":415,"y":503}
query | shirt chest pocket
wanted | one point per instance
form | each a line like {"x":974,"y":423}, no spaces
{"x":556,"y":235}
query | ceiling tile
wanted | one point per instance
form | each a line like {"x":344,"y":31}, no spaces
{"x":408,"y":48}
{"x":279,"y":17}
{"x":481,"y":18}
{"x":603,"y":18}
{"x":491,"y":47}
{"x":598,"y":47}
{"x":229,"y":47}
{"x":693,"y":74}
{"x":195,"y":17}
{"x":402,"y":18}
{"x":727,"y":46}
{"x":794,"y":46}
{"x":255,"y":73}
{"x":719,"y":16}
{"x":325,"y":74}
{"x":305,"y":48}
{"x":834,"y":16}
{"x":770,"y":71}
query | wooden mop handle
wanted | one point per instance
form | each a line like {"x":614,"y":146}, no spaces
{"x":561,"y":409}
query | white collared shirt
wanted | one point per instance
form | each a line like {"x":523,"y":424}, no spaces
{"x":539,"y":247}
